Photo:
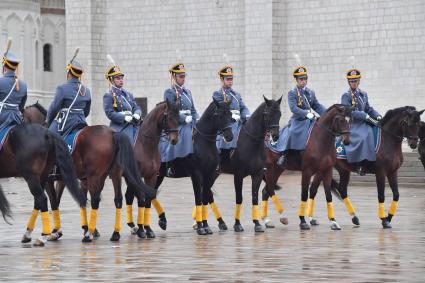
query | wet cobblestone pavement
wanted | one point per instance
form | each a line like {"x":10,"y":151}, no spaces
{"x":283,"y":254}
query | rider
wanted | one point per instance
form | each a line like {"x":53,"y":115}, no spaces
{"x":361,"y":145}
{"x":240,"y":112}
{"x":120,"y":106}
{"x":71,"y":104}
{"x":13,"y":92}
{"x":301,"y":101}
{"x":188,"y":116}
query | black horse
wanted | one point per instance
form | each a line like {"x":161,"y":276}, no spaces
{"x":421,"y":147}
{"x":200,"y":166}
{"x":30,"y":151}
{"x":249,"y":158}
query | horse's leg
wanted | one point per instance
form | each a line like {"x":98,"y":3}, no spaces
{"x":147,"y":232}
{"x":392,"y":180}
{"x":83,"y":210}
{"x":344,"y":179}
{"x":26,"y":238}
{"x":270,"y":186}
{"x":206,"y":188}
{"x":162,"y":220}
{"x":95,"y":186}
{"x":327,"y":180}
{"x":57,"y":231}
{"x":310,"y":205}
{"x":305,"y":182}
{"x":264,"y":207}
{"x":238,"y":182}
{"x":197,"y":189}
{"x":256,"y":182}
{"x":116,"y":181}
{"x":217,"y":214}
{"x":380,"y":183}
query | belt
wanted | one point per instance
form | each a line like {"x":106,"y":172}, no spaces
{"x":72,"y":110}
{"x":185,"y":112}
{"x":9,"y":104}
{"x":237,"y":112}
{"x":126,"y":112}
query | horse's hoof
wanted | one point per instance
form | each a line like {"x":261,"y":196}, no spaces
{"x":386,"y":224}
{"x":355,"y":220}
{"x":258,"y":229}
{"x":41,"y":241}
{"x":86,"y":239}
{"x":141,"y":233}
{"x":304,"y":226}
{"x":208,"y":230}
{"x":201,"y":231}
{"x":134,"y":230}
{"x":149,"y":233}
{"x":162,"y":221}
{"x":96,"y":234}
{"x":26,"y":238}
{"x":222,"y":226}
{"x":115,"y":236}
{"x":195,"y":225}
{"x":268,"y":223}
{"x":284,"y":220}
{"x":334,"y":225}
{"x":238,"y":228}
{"x":314,"y":222}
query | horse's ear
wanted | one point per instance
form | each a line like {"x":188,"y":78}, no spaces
{"x":266,"y":100}
{"x":280,"y":99}
{"x":421,"y":112}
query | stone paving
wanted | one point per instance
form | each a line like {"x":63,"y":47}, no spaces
{"x":283,"y":254}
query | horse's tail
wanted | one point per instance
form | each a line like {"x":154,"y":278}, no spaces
{"x":127,"y":162}
{"x":335,"y":189}
{"x":65,"y":164}
{"x":4,"y":206}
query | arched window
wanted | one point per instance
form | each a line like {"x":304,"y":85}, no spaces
{"x":47,"y":57}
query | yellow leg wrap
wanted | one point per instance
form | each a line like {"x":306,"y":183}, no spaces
{"x":331,"y":213}
{"x":147,"y":216}
{"x":83,"y":215}
{"x":117,"y":227}
{"x":381,"y":210}
{"x":310,"y":207}
{"x":216,"y":211}
{"x":92,"y":220}
{"x":255,"y":212}
{"x":129,"y":213}
{"x":194,"y":212}
{"x":277,"y":203}
{"x":349,"y":206}
{"x":56,"y":219}
{"x":198,"y":217}
{"x":159,"y":209}
{"x":393,"y":207}
{"x":264,"y":205}
{"x":238,"y":209}
{"x":204,"y":212}
{"x":141,"y":215}
{"x":45,"y":220}
{"x":301,"y":211}
{"x":32,"y":220}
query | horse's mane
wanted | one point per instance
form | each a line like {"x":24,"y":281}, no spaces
{"x":336,"y":105}
{"x":160,"y":103}
{"x":210,"y":109}
{"x":394,"y":112}
{"x":39,"y":108}
{"x":258,"y":110}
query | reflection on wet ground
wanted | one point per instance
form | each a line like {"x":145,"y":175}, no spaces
{"x":283,"y":254}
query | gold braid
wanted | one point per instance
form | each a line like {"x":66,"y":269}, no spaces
{"x":353,"y":99}
{"x":300,"y":102}
{"x":224,"y":95}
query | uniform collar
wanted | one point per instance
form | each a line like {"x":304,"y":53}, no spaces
{"x":301,"y":89}
{"x":228,"y":89}
{"x":10,"y":74}
{"x":356,"y":91}
{"x":119,"y":89}
{"x":73,"y":80}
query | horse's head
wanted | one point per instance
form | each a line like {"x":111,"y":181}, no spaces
{"x":271,"y":116}
{"x":403,"y":122}
{"x":35,"y":114}
{"x":170,"y":121}
{"x":340,"y":121}
{"x":223,"y":119}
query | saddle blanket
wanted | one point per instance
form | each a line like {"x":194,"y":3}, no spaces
{"x":71,"y":139}
{"x":340,"y":149}
{"x":3,"y":135}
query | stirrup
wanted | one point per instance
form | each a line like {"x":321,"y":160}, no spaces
{"x":281,"y":161}
{"x":55,"y":174}
{"x":361,"y":171}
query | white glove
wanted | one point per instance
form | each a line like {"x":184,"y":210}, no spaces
{"x":236,"y":117}
{"x":188,"y":119}
{"x":128,"y":118}
{"x":379,"y":118}
{"x":136,"y":116}
{"x":310,"y":116}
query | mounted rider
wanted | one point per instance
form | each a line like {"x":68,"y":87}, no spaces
{"x":119,"y":104}
{"x":72,"y":101}
{"x":364,"y":117}
{"x":240,"y":113}
{"x":13,"y":91}
{"x":302,"y":101}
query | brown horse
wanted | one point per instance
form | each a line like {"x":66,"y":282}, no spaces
{"x":98,"y":149}
{"x":30,"y":151}
{"x":318,"y":158}
{"x":397,"y":124}
{"x":161,"y":122}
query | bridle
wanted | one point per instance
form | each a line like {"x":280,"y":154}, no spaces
{"x":269,"y":126}
{"x":213,"y":137}
{"x":332,"y":132}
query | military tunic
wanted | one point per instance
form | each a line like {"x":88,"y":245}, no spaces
{"x":12,"y":107}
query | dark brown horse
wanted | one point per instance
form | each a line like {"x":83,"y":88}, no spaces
{"x":397,"y":124}
{"x":318,"y":158}
{"x":161,"y":122}
{"x":98,"y":149}
{"x":421,"y":147}
{"x":31,"y":151}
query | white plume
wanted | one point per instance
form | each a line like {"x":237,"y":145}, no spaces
{"x":179,"y":55}
{"x":110,"y":59}
{"x":297,"y":58}
{"x":8,"y":44}
{"x":75,"y":53}
{"x":226,"y":58}
{"x":352,"y":60}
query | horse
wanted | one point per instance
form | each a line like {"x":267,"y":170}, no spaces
{"x":317,"y":159}
{"x":397,"y":124}
{"x":31,"y":151}
{"x":421,"y":147}
{"x":163,"y":119}
{"x":248,"y":159}
{"x":98,"y":149}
